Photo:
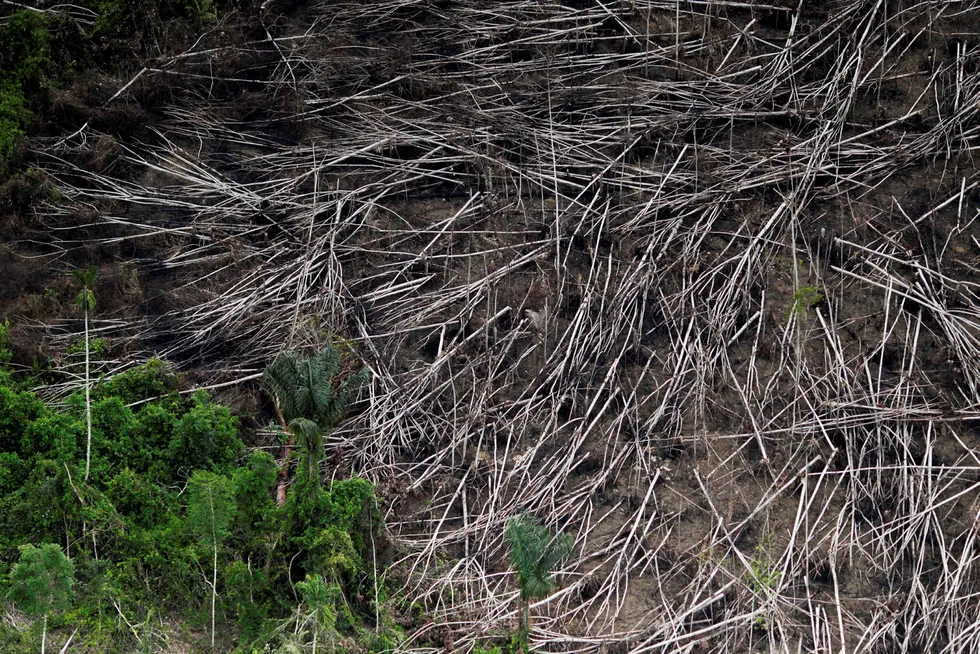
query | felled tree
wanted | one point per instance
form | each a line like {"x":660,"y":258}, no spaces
{"x":311,"y":395}
{"x":86,"y":302}
{"x":535,"y":553}
{"x":41,"y":582}
{"x":210,"y":509}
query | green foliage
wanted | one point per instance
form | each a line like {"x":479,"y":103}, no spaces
{"x":15,"y":117}
{"x":311,"y":394}
{"x":5,"y":353}
{"x":307,"y":388}
{"x":149,"y":442}
{"x":336,"y":526}
{"x":205,"y":437}
{"x":41,"y":582}
{"x":55,"y":435}
{"x":150,"y":380}
{"x":256,"y":515}
{"x":141,"y":538}
{"x":210,"y":507}
{"x":806,"y":297}
{"x":330,"y":552}
{"x":13,"y":472}
{"x":25,"y":48}
{"x":122,"y":19}
{"x":17,"y":411}
{"x":323,"y":612}
{"x":516,"y":645}
{"x":45,"y":507}
{"x":244,"y":585}
{"x":351,"y":505}
{"x":113,"y":424}
{"x":143,"y":503}
{"x":210,"y":510}
{"x":763,"y":577}
{"x":86,"y":278}
{"x":535,"y":552}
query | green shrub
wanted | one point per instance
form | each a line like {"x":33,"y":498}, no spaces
{"x":205,"y":437}
{"x":144,"y":382}
{"x":256,"y":515}
{"x":17,"y":411}
{"x":54,"y":435}
{"x":43,"y":508}
{"x":143,"y":504}
{"x":25,"y":48}
{"x":244,"y":585}
{"x":14,"y":119}
{"x":352,"y":506}
{"x":5,"y":353}
{"x":42,"y":581}
{"x":113,"y":429}
{"x":151,"y":437}
{"x":13,"y":472}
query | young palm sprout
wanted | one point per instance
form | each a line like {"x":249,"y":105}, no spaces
{"x":535,"y":553}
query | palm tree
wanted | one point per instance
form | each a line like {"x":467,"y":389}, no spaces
{"x":86,"y":302}
{"x":535,"y":552}
{"x":309,"y":398}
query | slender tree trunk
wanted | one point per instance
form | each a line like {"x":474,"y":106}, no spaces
{"x":284,"y":466}
{"x":44,"y":632}
{"x":88,"y":403}
{"x":316,"y":627}
{"x":214,"y":575}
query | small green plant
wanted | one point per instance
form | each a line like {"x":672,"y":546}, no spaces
{"x":805,"y":298}
{"x":535,"y":553}
{"x":763,"y":577}
{"x":41,"y":582}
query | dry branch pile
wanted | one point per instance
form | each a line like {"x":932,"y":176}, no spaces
{"x":696,"y":282}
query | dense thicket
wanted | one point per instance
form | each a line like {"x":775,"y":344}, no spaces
{"x":177,"y":514}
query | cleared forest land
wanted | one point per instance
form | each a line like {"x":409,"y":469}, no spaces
{"x":695,"y":282}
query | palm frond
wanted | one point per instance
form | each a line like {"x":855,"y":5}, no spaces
{"x":304,"y":387}
{"x":535,"y":552}
{"x":305,"y":429}
{"x":281,"y":381}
